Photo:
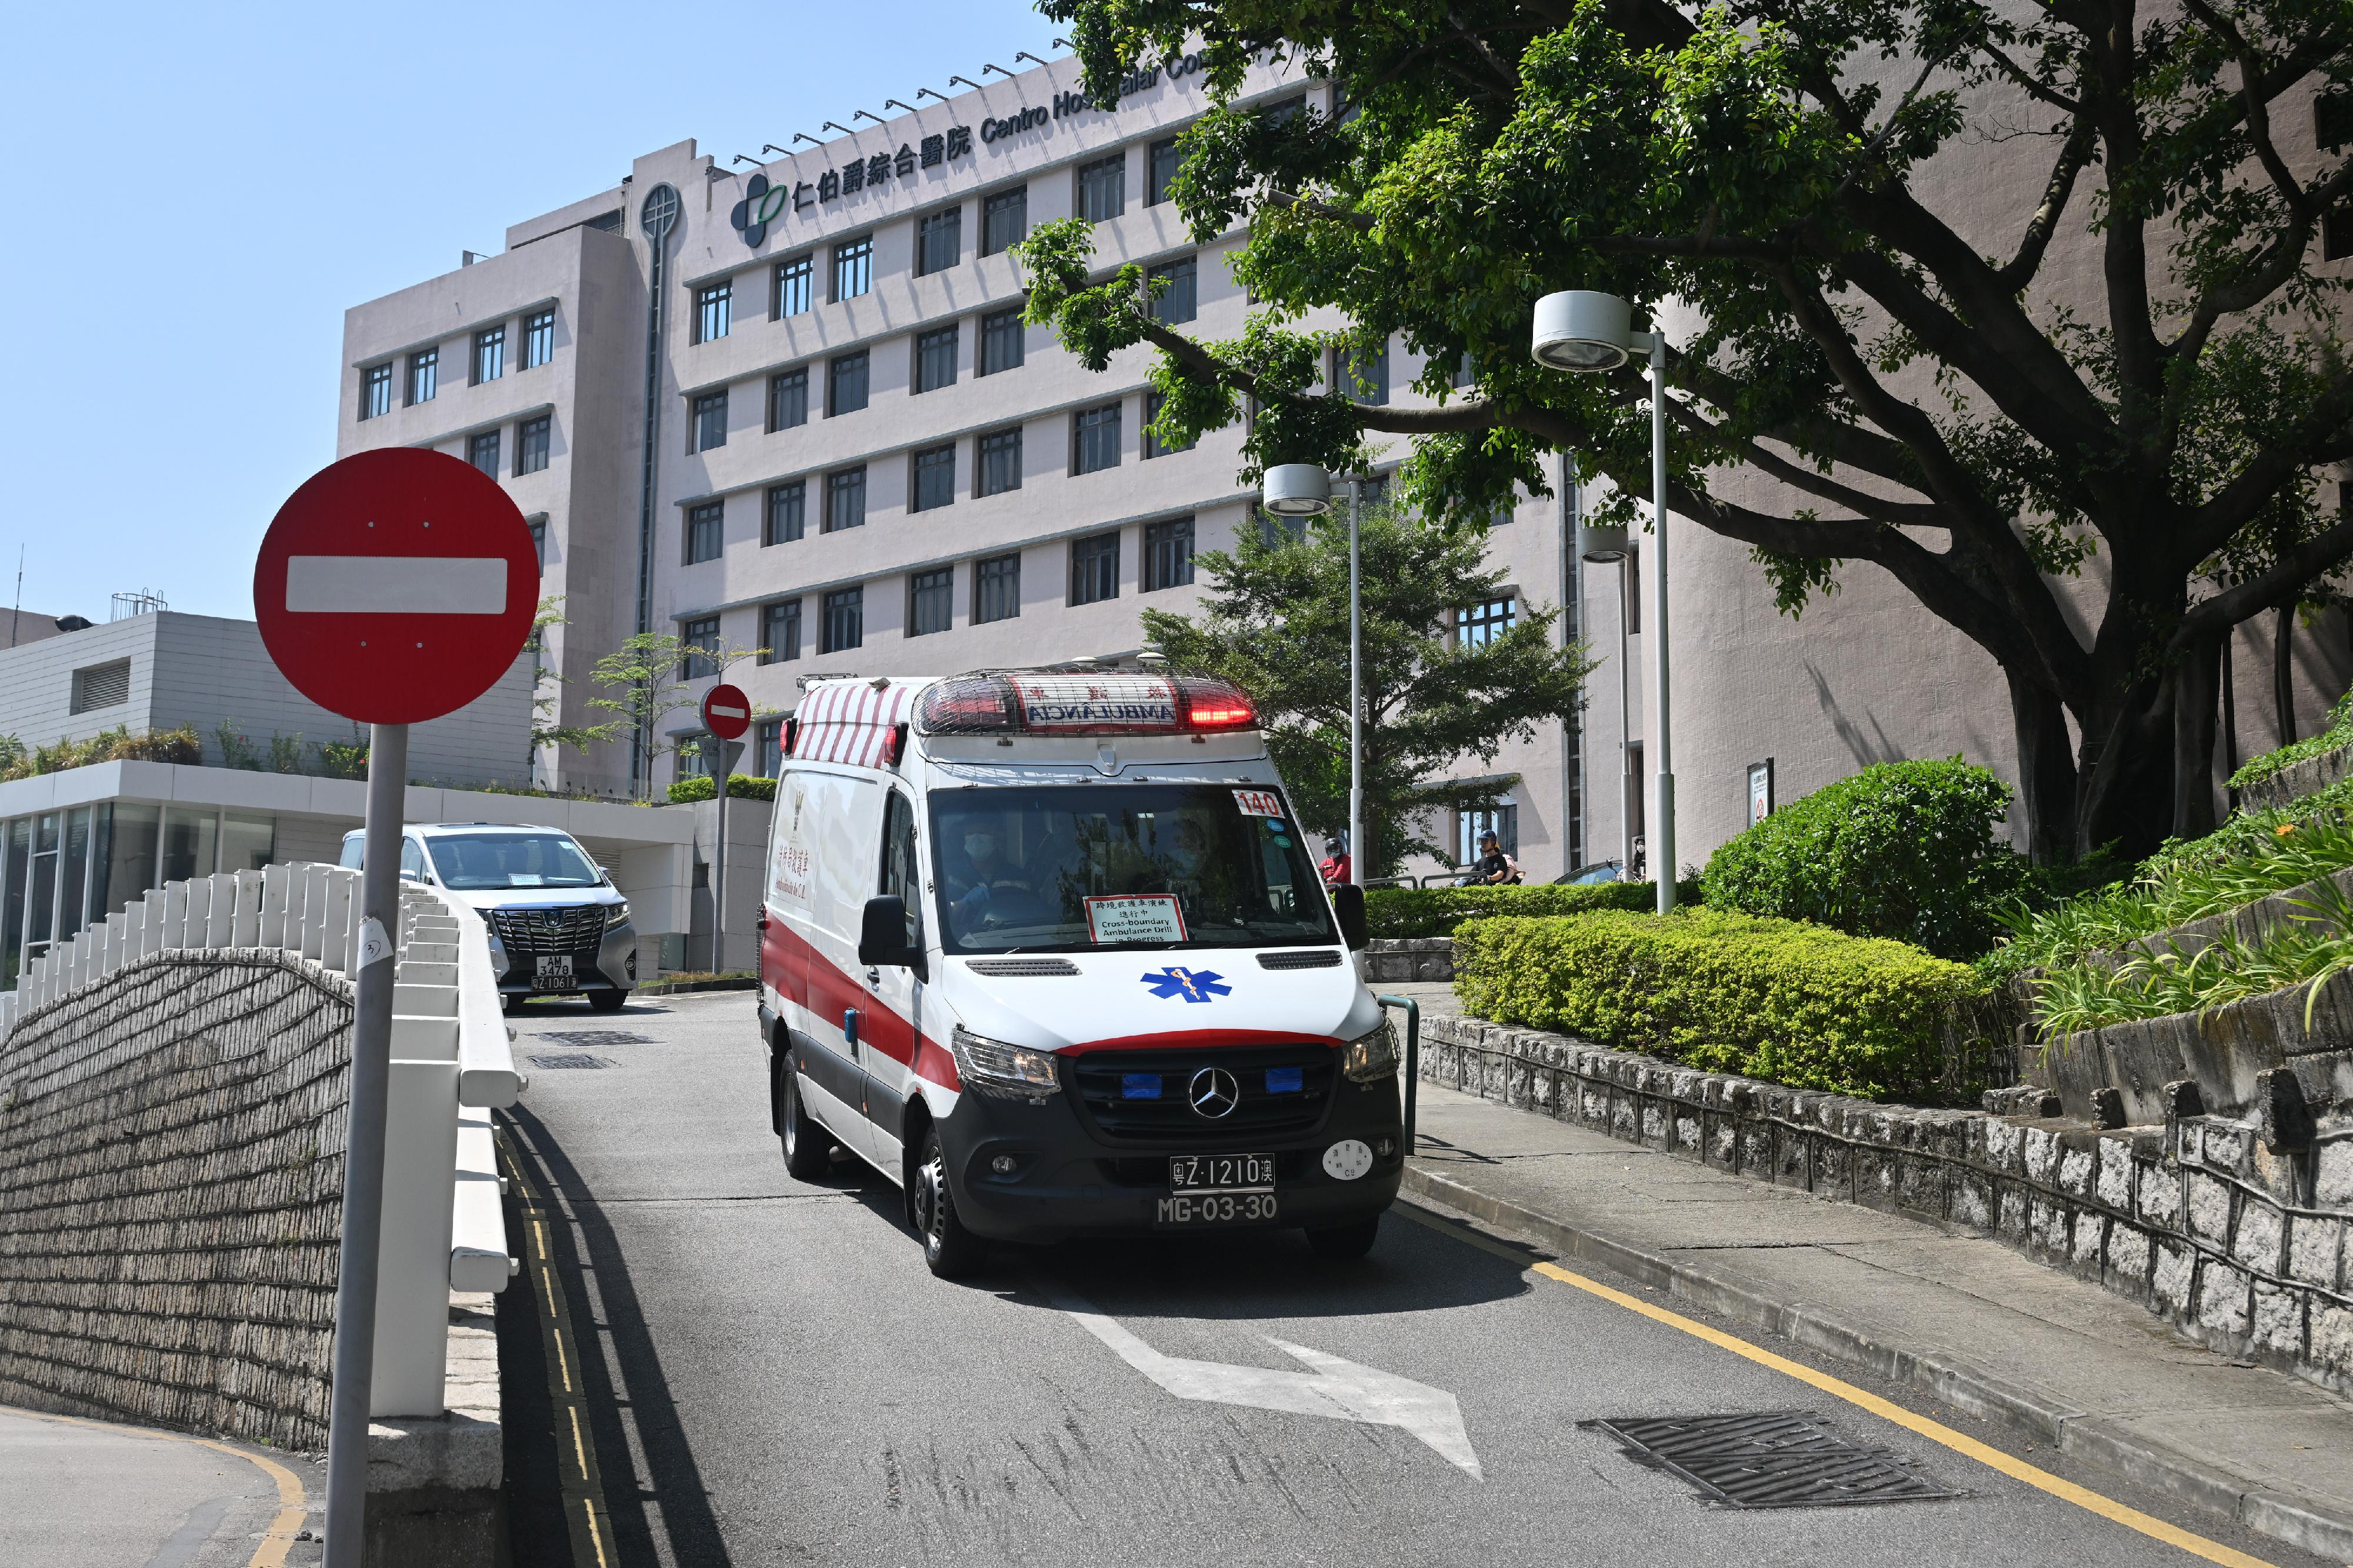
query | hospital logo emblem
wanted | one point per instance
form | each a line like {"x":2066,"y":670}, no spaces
{"x":1193,"y":984}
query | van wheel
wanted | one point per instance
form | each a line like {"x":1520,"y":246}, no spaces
{"x":1345,"y":1242}
{"x":951,"y":1250}
{"x":609,"y":1001}
{"x":808,"y":1147}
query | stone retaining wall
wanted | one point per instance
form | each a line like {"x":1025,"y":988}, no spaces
{"x":2241,"y":1243}
{"x":1392,"y":960}
{"x":2297,"y":779}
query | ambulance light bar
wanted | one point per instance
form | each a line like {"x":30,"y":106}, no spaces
{"x":1058,"y":704}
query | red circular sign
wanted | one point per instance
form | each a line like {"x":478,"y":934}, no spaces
{"x":395,"y":585}
{"x":726,"y":712}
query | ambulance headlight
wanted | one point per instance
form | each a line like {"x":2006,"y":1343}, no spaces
{"x":1371,"y":1058}
{"x":1006,"y":1072}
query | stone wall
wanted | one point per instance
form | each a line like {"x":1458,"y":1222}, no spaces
{"x":1392,"y":960}
{"x":170,"y":1179}
{"x":2297,"y":779}
{"x":2235,"y":1231}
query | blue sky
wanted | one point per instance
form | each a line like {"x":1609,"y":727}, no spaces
{"x":200,"y":196}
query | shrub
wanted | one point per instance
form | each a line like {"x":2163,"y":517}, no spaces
{"x":118,"y":744}
{"x":2335,"y":738}
{"x":740,"y":786}
{"x":1906,"y":850}
{"x":1772,"y":999}
{"x":1396,"y":912}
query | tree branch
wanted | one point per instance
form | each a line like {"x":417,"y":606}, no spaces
{"x":2026,"y":79}
{"x":2074,"y":153}
{"x":2279,"y":587}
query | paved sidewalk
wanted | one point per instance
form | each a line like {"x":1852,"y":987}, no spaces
{"x":89,"y":1494}
{"x":1969,"y":1319}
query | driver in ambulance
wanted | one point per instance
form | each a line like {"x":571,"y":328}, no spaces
{"x":980,"y":869}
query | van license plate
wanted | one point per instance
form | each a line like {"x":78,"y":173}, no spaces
{"x":555,"y":971}
{"x":1221,"y":1172}
{"x":1215,"y":1208}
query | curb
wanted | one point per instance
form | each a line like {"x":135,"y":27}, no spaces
{"x":1954,"y":1380}
{"x":688,"y":987}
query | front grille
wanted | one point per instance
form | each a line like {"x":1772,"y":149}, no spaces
{"x":574,"y":929}
{"x":1300,"y":958}
{"x":1097,"y":1081}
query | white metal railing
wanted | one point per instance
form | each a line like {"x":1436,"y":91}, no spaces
{"x":452,"y":1064}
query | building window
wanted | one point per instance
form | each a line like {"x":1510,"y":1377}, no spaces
{"x":1102,"y":188}
{"x":780,"y":631}
{"x":845,"y":388}
{"x":482,"y":451}
{"x":931,"y":601}
{"x":710,"y":420}
{"x":1001,"y":342}
{"x":489,"y":354}
{"x":376,"y":390}
{"x":424,"y":375}
{"x":995,"y":589}
{"x":100,"y":685}
{"x":1094,"y":569}
{"x":531,"y":445}
{"x":999,"y":468}
{"x":1372,"y":491}
{"x":539,"y":542}
{"x":1162,"y":161}
{"x":1094,"y":440}
{"x":931,"y":479}
{"x":538,"y":339}
{"x":768,"y":747}
{"x":1153,"y":446}
{"x":845,"y":502}
{"x":939,"y":241}
{"x":713,"y":303}
{"x":789,"y":399}
{"x":1503,"y":822}
{"x":1167,"y":554}
{"x":1279,"y":531}
{"x":703,"y":527}
{"x":1367,"y":378}
{"x":1177,"y":298}
{"x":845,"y":620}
{"x":1483,"y":624}
{"x":787,"y":512}
{"x":1465,"y":372}
{"x":1283,"y":114}
{"x":936,"y":357}
{"x":1004,"y":220}
{"x":794,"y":280}
{"x":700,"y":650}
{"x":853,"y":271}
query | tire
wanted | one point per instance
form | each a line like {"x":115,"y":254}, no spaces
{"x":609,"y":1001}
{"x":1345,"y":1242}
{"x":808,"y":1147}
{"x":951,"y":1251}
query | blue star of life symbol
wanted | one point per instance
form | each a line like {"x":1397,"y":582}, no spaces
{"x":1193,"y":984}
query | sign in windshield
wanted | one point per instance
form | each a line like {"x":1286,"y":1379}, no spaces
{"x":476,"y":861}
{"x":1079,"y":868}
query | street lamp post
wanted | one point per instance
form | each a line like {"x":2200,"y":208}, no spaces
{"x":1588,"y":333}
{"x":1304,"y":490}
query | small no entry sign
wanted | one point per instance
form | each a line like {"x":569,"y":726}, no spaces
{"x":726,"y":712}
{"x":395,"y":587}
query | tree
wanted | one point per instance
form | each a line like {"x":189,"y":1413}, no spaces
{"x":1277,"y":626}
{"x":1911,"y":402}
{"x":644,"y":682}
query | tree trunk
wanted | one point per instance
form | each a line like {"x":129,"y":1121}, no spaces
{"x":2124,"y":773}
{"x":2284,"y":673}
{"x":2046,"y":769}
{"x":2194,"y":681}
{"x":2229,"y":719}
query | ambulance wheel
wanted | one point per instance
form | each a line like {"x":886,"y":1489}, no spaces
{"x":951,"y":1250}
{"x":809,"y":1148}
{"x":1345,"y":1242}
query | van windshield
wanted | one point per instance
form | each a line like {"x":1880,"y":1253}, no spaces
{"x":1074,"y":867}
{"x":475,"y":861}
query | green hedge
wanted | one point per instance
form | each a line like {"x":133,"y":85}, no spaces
{"x":740,"y":786}
{"x":1779,"y":1000}
{"x":1395,"y":913}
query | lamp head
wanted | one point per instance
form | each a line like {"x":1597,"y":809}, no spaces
{"x":1600,"y":545}
{"x":1578,"y":330}
{"x":1296,"y":489}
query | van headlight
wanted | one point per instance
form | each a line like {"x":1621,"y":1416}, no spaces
{"x":617,"y":914}
{"x":1370,"y":1058}
{"x":1006,"y":1072}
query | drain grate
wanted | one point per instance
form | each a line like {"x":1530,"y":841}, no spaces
{"x":1771,"y":1459}
{"x":596,"y":1038}
{"x":569,"y":1059}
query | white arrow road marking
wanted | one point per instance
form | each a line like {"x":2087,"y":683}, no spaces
{"x":397,"y":585}
{"x":1336,"y":1387}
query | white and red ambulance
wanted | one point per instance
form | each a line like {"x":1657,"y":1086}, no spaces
{"x":1050,"y":951}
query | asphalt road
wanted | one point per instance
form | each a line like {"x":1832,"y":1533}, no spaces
{"x":777,"y":1379}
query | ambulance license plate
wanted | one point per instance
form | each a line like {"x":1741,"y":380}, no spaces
{"x":1221,"y":1172}
{"x":555,"y":971}
{"x":1187,"y":1209}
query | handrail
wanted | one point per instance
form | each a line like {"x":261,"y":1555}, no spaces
{"x":1412,"y":1059}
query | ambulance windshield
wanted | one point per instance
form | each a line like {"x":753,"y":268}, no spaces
{"x":1072,"y":867}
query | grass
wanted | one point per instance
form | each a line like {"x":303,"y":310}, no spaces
{"x":2335,"y":737}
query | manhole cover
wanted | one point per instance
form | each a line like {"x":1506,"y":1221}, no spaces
{"x":569,"y":1059}
{"x":596,"y":1038}
{"x":1772,"y":1459}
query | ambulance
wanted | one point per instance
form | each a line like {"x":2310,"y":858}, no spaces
{"x":1050,"y":951}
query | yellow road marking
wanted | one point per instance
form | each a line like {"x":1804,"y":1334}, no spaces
{"x":584,"y":1497}
{"x":279,"y":1538}
{"x":1961,"y":1443}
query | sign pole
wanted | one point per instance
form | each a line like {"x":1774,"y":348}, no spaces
{"x":355,"y":1276}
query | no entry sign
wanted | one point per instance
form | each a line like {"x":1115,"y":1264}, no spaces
{"x":397,"y":586}
{"x":726,"y":712}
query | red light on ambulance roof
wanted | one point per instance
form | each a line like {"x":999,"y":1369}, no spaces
{"x":1215,"y":705}
{"x":963,"y":707}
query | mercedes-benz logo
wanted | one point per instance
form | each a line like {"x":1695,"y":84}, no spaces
{"x":1213,"y":1093}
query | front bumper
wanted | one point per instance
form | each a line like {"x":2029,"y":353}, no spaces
{"x":610,"y":965}
{"x":1071,"y":1181}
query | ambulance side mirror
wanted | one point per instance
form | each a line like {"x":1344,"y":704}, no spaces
{"x":1348,"y":903}
{"x":883,"y":934}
